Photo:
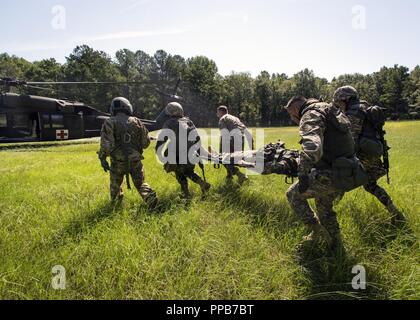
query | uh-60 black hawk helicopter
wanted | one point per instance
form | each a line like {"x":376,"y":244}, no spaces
{"x":29,"y":118}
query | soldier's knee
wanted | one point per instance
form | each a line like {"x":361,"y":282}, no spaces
{"x":195,"y":178}
{"x":371,"y":187}
{"x":181,"y":179}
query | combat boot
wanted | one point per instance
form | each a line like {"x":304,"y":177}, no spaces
{"x":242,"y":178}
{"x":229,"y":180}
{"x":118,"y":200}
{"x":336,"y":243}
{"x":318,"y":233}
{"x":185,"y":191}
{"x":152,"y":201}
{"x":397,"y":218}
{"x":205,"y":187}
{"x":331,"y":225}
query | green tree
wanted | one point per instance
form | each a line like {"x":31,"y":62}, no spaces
{"x":201,"y":75}
{"x":414,"y":87}
{"x":282,"y":92}
{"x":13,"y":66}
{"x":264,"y":95}
{"x":238,"y":94}
{"x":304,"y":84}
{"x":365,"y":85}
{"x":44,"y":70}
{"x":257,"y":100}
{"x":87,"y":64}
{"x":126,"y":63}
{"x":392,"y":84}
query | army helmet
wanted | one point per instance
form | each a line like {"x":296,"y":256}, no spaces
{"x":174,"y":109}
{"x":121,"y":104}
{"x":345,"y":93}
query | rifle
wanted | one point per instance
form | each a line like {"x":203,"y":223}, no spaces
{"x":386,"y":154}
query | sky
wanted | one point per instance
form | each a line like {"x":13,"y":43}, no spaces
{"x":280,"y":36}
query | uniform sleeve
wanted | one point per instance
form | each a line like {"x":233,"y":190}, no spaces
{"x":107,"y":139}
{"x":223,"y":127}
{"x":222,"y":124}
{"x":312,"y":128}
{"x":241,"y":126}
{"x":249,"y":138}
{"x":145,"y":139}
{"x":162,"y":138}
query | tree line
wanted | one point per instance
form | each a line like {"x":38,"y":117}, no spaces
{"x":148,"y":80}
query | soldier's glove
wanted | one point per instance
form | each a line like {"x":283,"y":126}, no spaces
{"x":303,"y":183}
{"x":105,"y":165}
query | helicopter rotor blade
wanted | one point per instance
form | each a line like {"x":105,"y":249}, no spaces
{"x":37,"y":84}
{"x":38,"y":88}
{"x":87,"y":82}
{"x":171,"y":96}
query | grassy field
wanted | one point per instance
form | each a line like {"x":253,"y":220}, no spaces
{"x":236,"y":244}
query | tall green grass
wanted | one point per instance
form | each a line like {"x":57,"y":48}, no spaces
{"x":235,"y":244}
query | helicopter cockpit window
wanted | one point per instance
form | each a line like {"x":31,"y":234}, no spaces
{"x":21,"y":121}
{"x":3,"y":120}
{"x":46,"y":121}
{"x":57,"y":121}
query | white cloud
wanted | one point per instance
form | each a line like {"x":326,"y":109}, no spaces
{"x":134,"y":34}
{"x":71,"y":43}
{"x":232,"y":16}
{"x":135,"y":4}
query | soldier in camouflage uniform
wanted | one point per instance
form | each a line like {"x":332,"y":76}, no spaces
{"x":347,"y":98}
{"x":233,"y":133}
{"x":123,"y":139}
{"x":326,"y":137}
{"x":183,"y":141}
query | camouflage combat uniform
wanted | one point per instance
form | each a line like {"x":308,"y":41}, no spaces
{"x":326,"y":136}
{"x":124,"y":138}
{"x":183,"y":170}
{"x":232,"y":130}
{"x":373,"y":165}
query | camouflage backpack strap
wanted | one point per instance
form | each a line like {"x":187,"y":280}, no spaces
{"x":124,"y":138}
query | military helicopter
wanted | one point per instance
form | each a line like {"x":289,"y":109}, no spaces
{"x":29,"y":118}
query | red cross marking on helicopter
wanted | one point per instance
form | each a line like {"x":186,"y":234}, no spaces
{"x":62,"y":134}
